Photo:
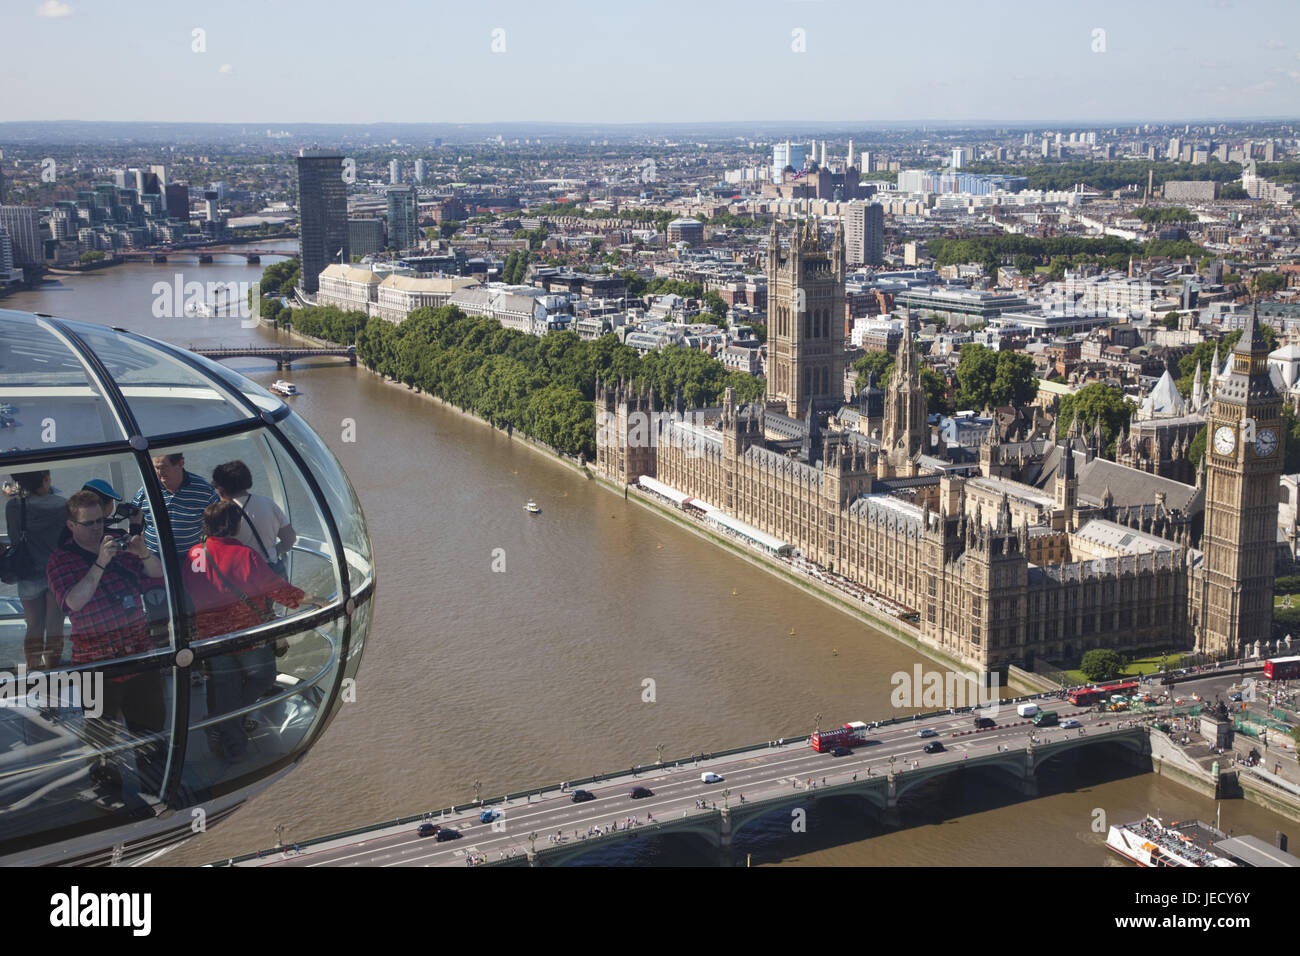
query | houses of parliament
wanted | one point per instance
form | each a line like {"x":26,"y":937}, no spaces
{"x":1045,"y":550}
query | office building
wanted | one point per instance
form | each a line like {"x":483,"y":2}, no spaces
{"x":9,"y":272}
{"x":686,"y":230}
{"x":210,"y":213}
{"x":788,"y":154}
{"x":322,"y":213}
{"x":403,"y":214}
{"x":178,"y":201}
{"x":394,"y":172}
{"x":365,"y":236}
{"x":864,"y":234}
{"x":23,"y":224}
{"x":420,"y":169}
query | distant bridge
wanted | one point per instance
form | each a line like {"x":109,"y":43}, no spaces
{"x":282,"y":357}
{"x":202,"y":254}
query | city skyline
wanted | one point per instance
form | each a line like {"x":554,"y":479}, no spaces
{"x":812,"y":60}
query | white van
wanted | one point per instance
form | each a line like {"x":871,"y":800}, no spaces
{"x":1026,"y":710}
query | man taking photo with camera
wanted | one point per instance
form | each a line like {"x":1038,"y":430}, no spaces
{"x":99,"y":580}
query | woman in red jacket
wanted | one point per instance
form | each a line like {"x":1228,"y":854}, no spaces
{"x":233,"y":588}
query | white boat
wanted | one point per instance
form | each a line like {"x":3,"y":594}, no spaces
{"x":533,"y":508}
{"x":285,"y":388}
{"x":1150,"y":843}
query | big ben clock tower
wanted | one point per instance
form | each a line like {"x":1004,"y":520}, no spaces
{"x":1243,"y":460}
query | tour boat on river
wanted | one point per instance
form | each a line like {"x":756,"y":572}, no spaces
{"x":1150,"y":843}
{"x":285,"y":388}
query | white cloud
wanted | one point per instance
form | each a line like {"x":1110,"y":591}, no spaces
{"x":1259,"y":87}
{"x":53,"y":8}
{"x":1274,"y":44}
{"x":226,"y":68}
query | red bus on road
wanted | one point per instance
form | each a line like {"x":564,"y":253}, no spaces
{"x":849,"y":735}
{"x":1282,"y":668}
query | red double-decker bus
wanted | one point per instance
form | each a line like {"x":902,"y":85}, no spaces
{"x":1086,"y":696}
{"x":1282,"y":668}
{"x":849,"y":735}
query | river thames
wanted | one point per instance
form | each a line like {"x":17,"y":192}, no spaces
{"x":536,"y":675}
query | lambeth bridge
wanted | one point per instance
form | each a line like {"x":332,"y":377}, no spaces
{"x":282,"y":357}
{"x":713,"y":797}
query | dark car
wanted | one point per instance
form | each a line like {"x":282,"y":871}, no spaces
{"x":582,"y":796}
{"x":984,"y":722}
{"x":934,"y":747}
{"x":639,"y":792}
{"x":428,"y":829}
{"x":444,"y":835}
{"x":841,"y":752}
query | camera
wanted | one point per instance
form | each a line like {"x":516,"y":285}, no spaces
{"x":125,"y":512}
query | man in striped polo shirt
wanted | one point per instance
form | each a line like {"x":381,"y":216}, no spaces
{"x":185,"y":495}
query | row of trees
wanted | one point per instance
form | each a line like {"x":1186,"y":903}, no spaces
{"x":280,"y":278}
{"x":1111,"y":174}
{"x":516,"y":268}
{"x":1027,"y":252}
{"x":543,"y":386}
{"x":328,"y":322}
{"x":1150,"y":214}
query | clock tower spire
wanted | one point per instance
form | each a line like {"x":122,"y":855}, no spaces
{"x":1243,"y":462}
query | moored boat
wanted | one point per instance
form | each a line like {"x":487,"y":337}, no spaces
{"x":1150,"y":843}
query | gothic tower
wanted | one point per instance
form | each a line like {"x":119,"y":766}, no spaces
{"x":805,"y":319}
{"x":905,"y":429}
{"x":1243,"y":462}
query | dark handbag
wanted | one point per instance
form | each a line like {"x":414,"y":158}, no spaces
{"x":16,"y":561}
{"x":263,"y":613}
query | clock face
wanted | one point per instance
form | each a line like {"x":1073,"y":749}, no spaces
{"x":1224,"y":440}
{"x":1265,"y":443}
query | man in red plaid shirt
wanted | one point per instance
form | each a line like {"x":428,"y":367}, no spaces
{"x":97,"y":579}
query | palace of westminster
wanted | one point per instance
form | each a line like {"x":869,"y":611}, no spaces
{"x":1044,"y":550}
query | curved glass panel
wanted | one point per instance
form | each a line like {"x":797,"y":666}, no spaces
{"x":164,"y":394}
{"x":48,"y":399}
{"x":89,"y":668}
{"x":340,"y":499}
{"x":83,"y":733}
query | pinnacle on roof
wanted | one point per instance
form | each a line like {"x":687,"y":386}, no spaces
{"x":1252,"y":338}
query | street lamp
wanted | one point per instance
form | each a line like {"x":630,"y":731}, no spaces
{"x":726,"y":792}
{"x":817,"y":724}
{"x":532,"y":842}
{"x":659,"y":749}
{"x":478,"y":791}
{"x":892,"y":758}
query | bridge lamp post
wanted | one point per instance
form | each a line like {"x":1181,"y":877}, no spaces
{"x":478,"y":791}
{"x":659,"y":750}
{"x":892,"y":758}
{"x":817,"y":724}
{"x":532,"y":842}
{"x":726,"y":792}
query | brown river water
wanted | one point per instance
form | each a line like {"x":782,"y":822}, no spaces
{"x":535,"y":675}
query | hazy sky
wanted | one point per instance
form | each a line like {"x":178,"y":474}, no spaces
{"x":269,"y":61}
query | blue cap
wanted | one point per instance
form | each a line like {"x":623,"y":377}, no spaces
{"x":101,"y":488}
